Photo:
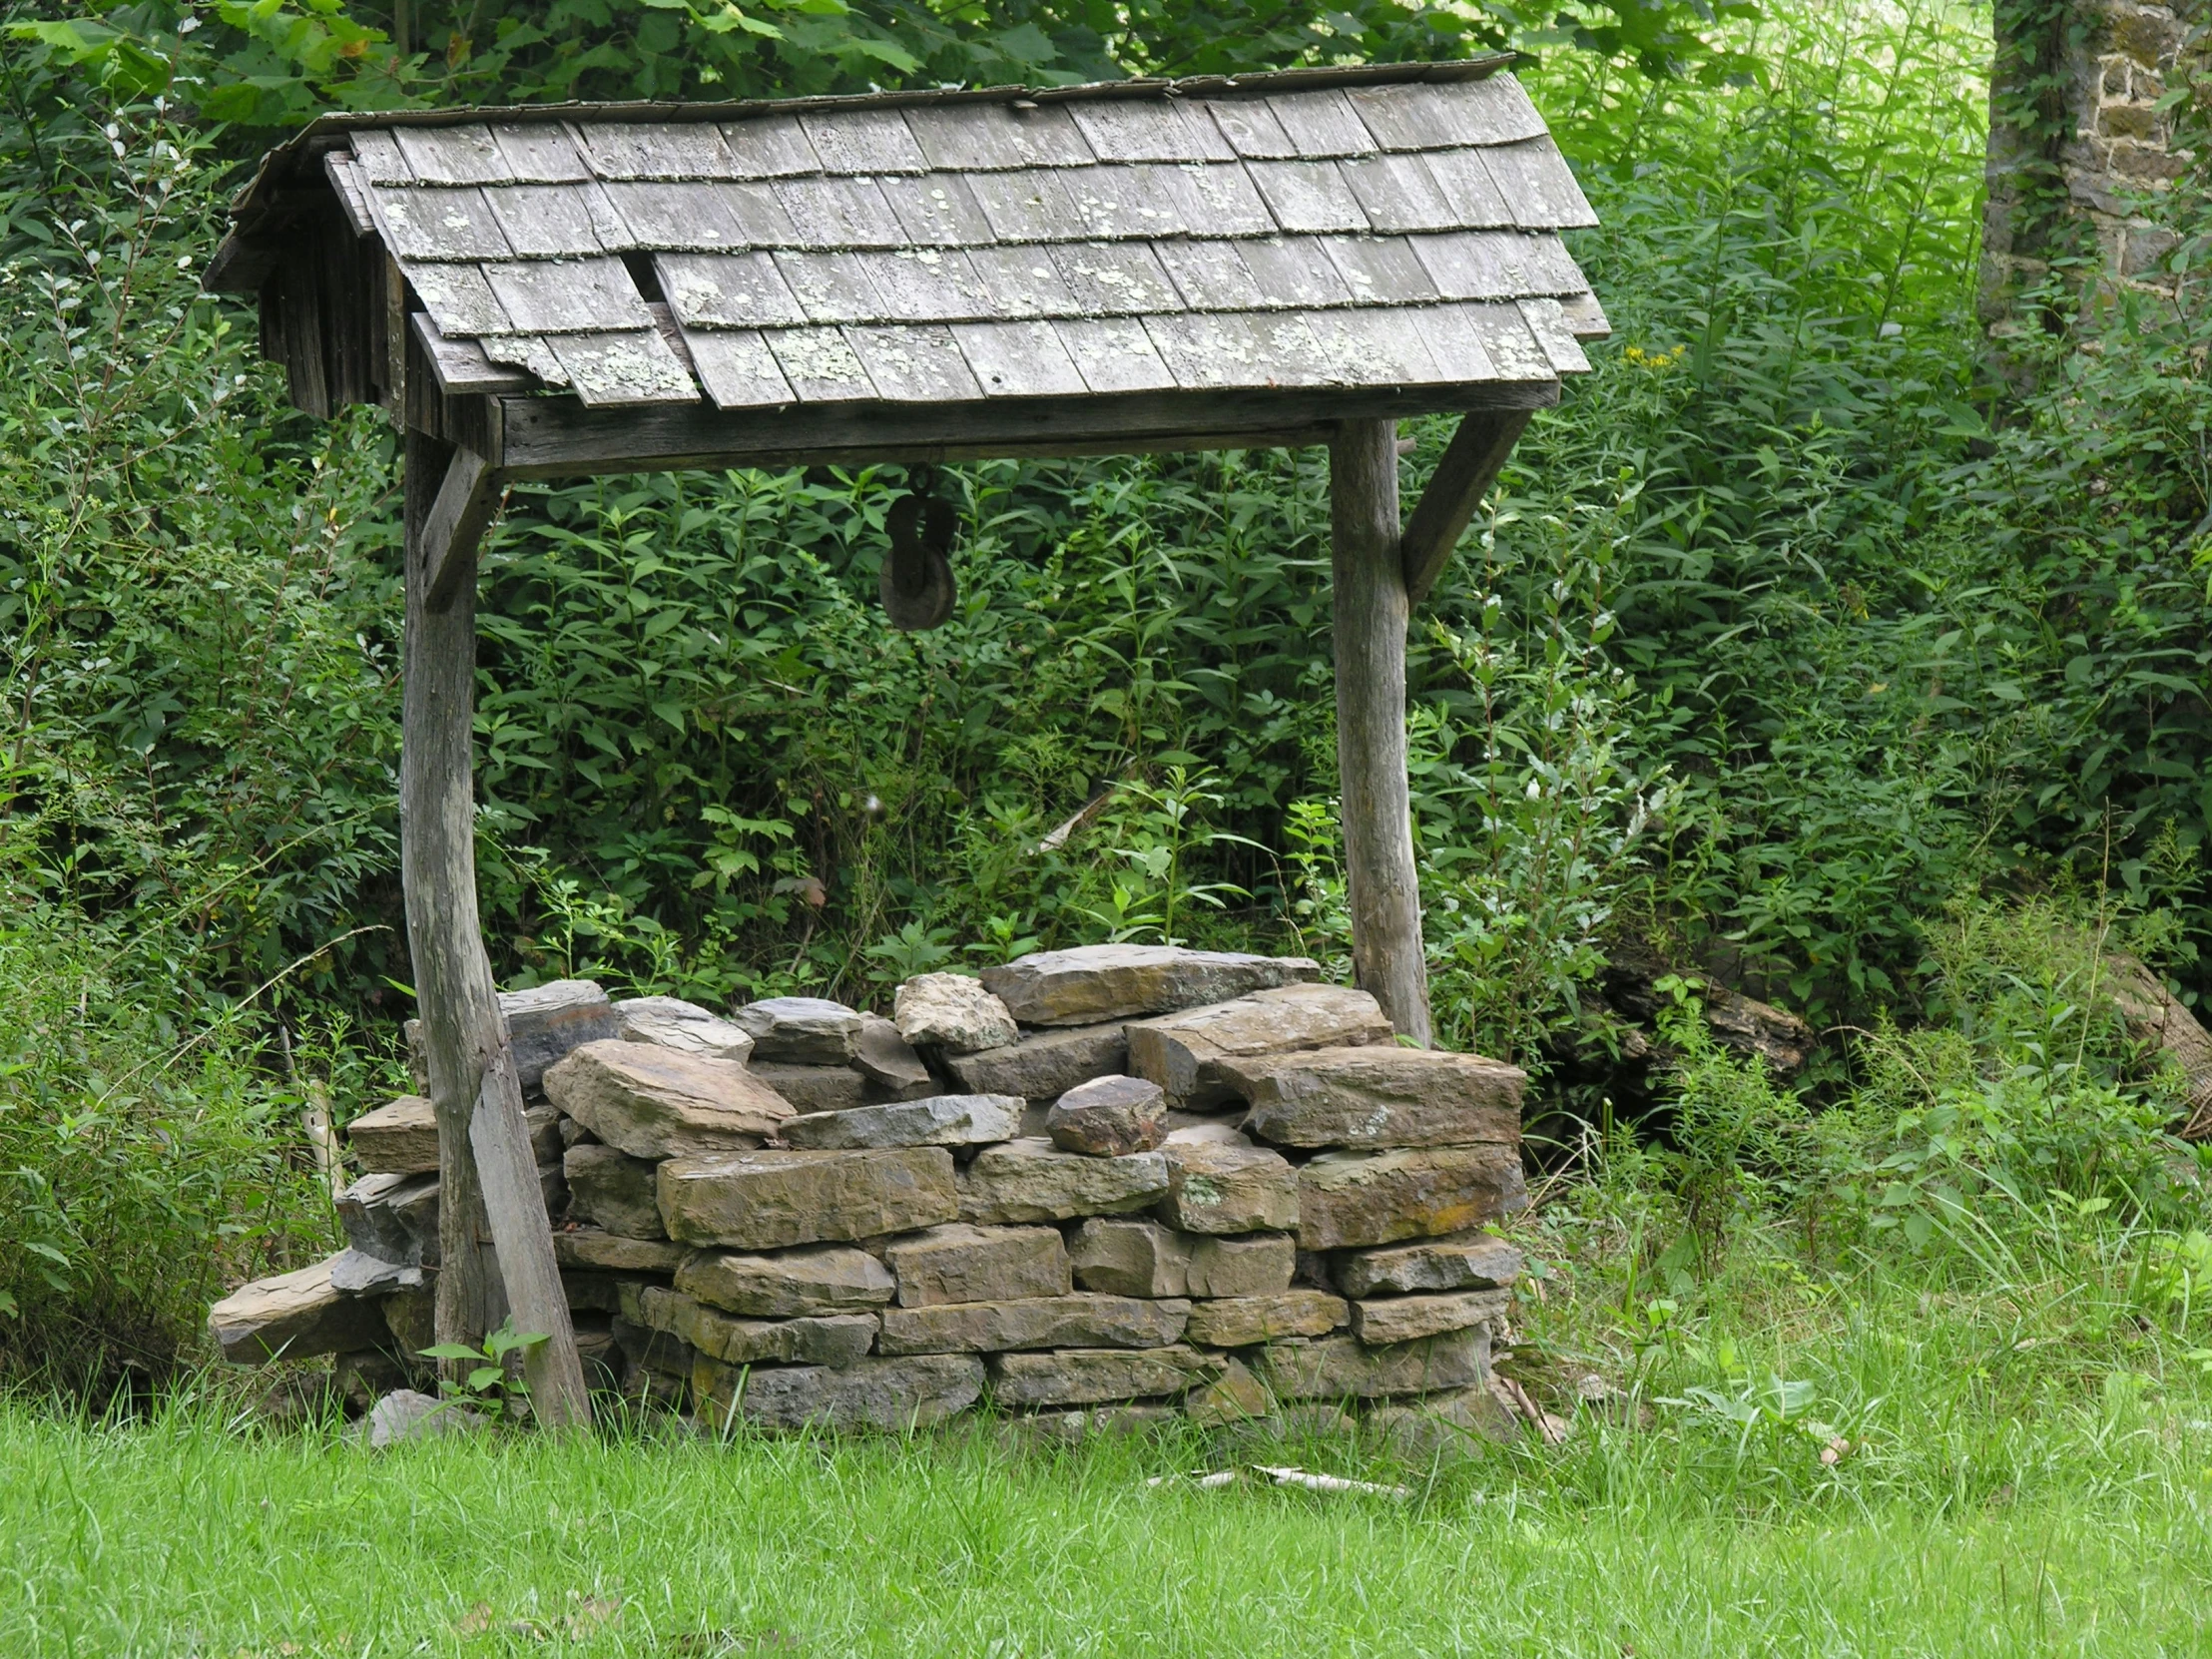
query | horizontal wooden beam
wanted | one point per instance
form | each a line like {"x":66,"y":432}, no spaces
{"x":543,"y":437}
{"x":456,"y":523}
{"x":1471,"y":465}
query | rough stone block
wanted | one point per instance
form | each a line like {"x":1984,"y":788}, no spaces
{"x":1250,"y":1264}
{"x":939,"y":1120}
{"x":819,"y":1278}
{"x":651,"y":1349}
{"x":544,"y":1124}
{"x":595,"y":1249}
{"x":1087,"y":1377}
{"x":405,"y":1415}
{"x":888,"y":1064}
{"x":393,"y":1218}
{"x":1045,"y":1064}
{"x":1190,"y":1053}
{"x":293,"y":1316}
{"x":802,"y":1030}
{"x":1081,"y":1319}
{"x":671,"y":1022}
{"x":1217,"y":1188}
{"x":398,"y":1137}
{"x":355,"y":1273}
{"x":411,"y":1319}
{"x":1350,"y":1199}
{"x":1242,"y":1321}
{"x":1109,"y":1117}
{"x":815,"y":1088}
{"x":1379,"y":1097}
{"x":612,"y":1190}
{"x":833,"y":1340}
{"x":656,"y":1103}
{"x":1033,"y":1180}
{"x":917,"y":1392}
{"x":1131,"y":1257}
{"x":1470,"y":1261}
{"x":1235,"y":1396}
{"x":1343,"y":1367}
{"x":1406,"y":1318}
{"x":1098,"y":982}
{"x":962,"y":1262}
{"x":1444,"y":1425}
{"x":770,"y":1200}
{"x":951,"y":1013}
{"x":546,"y":1022}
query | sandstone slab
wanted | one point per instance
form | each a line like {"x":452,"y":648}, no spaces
{"x":1346,"y":1199}
{"x":1131,"y":1257}
{"x":962,"y":1263}
{"x":1088,"y":1377}
{"x":1250,"y":1264}
{"x":393,"y":1217}
{"x":547,"y":1022}
{"x":815,"y":1088}
{"x":1191,"y":1053}
{"x":293,"y":1316}
{"x":1217,"y":1188}
{"x":356,"y":1274}
{"x":1234,"y":1396}
{"x":801,"y":1031}
{"x":398,"y":1137}
{"x":833,"y":1340}
{"x":1109,"y":1117}
{"x":595,"y":1249}
{"x":939,"y":1120}
{"x":818,"y":1279}
{"x":1343,"y":1367}
{"x":1379,"y":1097}
{"x":951,"y":1013}
{"x":888,"y":1065}
{"x":614,"y":1191}
{"x":1473,"y":1261}
{"x":656,"y":1103}
{"x":1033,"y":1180}
{"x":1098,"y":982}
{"x":671,"y":1022}
{"x":1244,"y":1320}
{"x":773,"y":1199}
{"x":1081,"y":1319}
{"x":893,"y":1394}
{"x":1044,"y":1064}
{"x":1458,"y":1424}
{"x":1406,"y":1318}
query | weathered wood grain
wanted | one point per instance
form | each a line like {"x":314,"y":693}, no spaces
{"x":1307,"y":195}
{"x":553,"y":297}
{"x":936,"y":209}
{"x":666,"y":150}
{"x":1536,"y":184}
{"x":996,"y":137}
{"x":1018,"y":359}
{"x":1295,"y":272}
{"x":1150,"y":130}
{"x":1109,"y":278}
{"x":864,"y":141}
{"x":1322,"y":124}
{"x":539,"y":152}
{"x":839,"y":212}
{"x":737,"y":369}
{"x":1372,"y":610}
{"x":453,"y":154}
{"x":915,"y":364}
{"x":546,"y":221}
{"x":1398,"y":193}
{"x":622,"y":370}
{"x":830,"y":287}
{"x":1476,"y":202}
{"x":460,"y":513}
{"x":727,"y":290}
{"x":1251,"y":128}
{"x":461,"y":365}
{"x":439,"y":223}
{"x":1029,"y":206}
{"x":770,"y":147}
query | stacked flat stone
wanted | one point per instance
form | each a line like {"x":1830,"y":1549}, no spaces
{"x":1110,"y":1185}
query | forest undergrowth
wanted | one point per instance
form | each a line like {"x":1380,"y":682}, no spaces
{"x":1784,"y":645}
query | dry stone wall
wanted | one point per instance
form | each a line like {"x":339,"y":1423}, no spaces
{"x":1114,"y":1185}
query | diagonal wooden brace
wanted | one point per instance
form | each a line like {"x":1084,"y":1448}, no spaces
{"x":459,"y":516}
{"x":1470,"y":466}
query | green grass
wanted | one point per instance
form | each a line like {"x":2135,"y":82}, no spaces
{"x":2029,"y":1472}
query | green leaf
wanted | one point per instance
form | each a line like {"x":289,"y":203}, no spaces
{"x":450,"y":1351}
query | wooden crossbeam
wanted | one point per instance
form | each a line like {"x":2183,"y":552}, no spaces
{"x":459,"y":518}
{"x":1471,"y":465}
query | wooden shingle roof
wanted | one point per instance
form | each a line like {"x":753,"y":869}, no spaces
{"x":1378,"y":231}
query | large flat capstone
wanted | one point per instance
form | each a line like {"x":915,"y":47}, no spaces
{"x":772,"y":1198}
{"x":1242,"y":1320}
{"x":294,"y":1316}
{"x":835,"y":1339}
{"x":671,"y":1022}
{"x":595,"y":1249}
{"x":1080,"y":1320}
{"x":1378,"y":1097}
{"x":1406,"y":1318}
{"x":1098,"y":982}
{"x":1033,"y":1180}
{"x":548,"y":1021}
{"x":1192,"y":1053}
{"x":1346,"y":1199}
{"x":1473,"y":1261}
{"x":656,"y":1103}
{"x":919,"y":1390}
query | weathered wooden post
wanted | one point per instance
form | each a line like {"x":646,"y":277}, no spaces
{"x":1372,"y":612}
{"x":488,"y":1178}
